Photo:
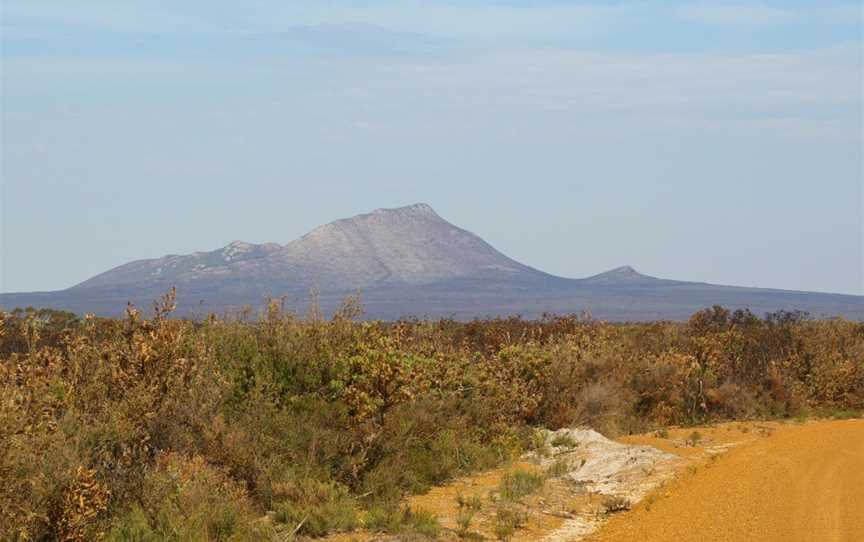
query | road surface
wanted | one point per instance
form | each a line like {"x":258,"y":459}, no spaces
{"x":801,"y":483}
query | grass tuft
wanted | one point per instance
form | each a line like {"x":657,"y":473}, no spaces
{"x":519,"y":483}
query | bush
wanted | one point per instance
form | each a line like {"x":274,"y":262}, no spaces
{"x":507,"y":521}
{"x":564,"y":441}
{"x":187,"y":499}
{"x":388,"y":519}
{"x":472,"y":503}
{"x":423,"y":522}
{"x":137,"y":427}
{"x":519,"y":483}
{"x":693,"y":439}
{"x":317,"y":509}
{"x":615,"y":503}
{"x":397,"y":520}
{"x":559,"y":468}
{"x":463,"y":520}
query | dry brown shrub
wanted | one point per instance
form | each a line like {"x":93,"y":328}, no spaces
{"x":82,"y":504}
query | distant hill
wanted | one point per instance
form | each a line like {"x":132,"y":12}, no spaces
{"x":407,"y":262}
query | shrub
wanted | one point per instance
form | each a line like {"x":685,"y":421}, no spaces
{"x":405,"y":521}
{"x":507,"y":521}
{"x":463,"y":520}
{"x":101,"y":419}
{"x":518,"y":483}
{"x":614,"y":503}
{"x":559,"y":468}
{"x":693,"y":439}
{"x":387,"y":519}
{"x":473,"y":502}
{"x":423,"y":522}
{"x":564,"y":441}
{"x":316,"y":509}
{"x":187,"y":499}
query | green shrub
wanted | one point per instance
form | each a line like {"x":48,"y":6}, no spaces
{"x":694,"y":438}
{"x":318,"y":509}
{"x":507,"y":521}
{"x":518,"y":483}
{"x":564,"y":441}
{"x":388,"y":519}
{"x":423,"y":522}
{"x":133,"y":526}
{"x":842,"y":414}
{"x":463,"y":520}
{"x":559,"y":468}
{"x":188,"y":499}
{"x":404,"y":520}
{"x":473,"y":502}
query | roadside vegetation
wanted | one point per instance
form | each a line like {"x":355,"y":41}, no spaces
{"x":277,"y":427}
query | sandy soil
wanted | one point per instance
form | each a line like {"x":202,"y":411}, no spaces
{"x":776,"y":482}
{"x":740,"y":481}
{"x":571,"y":503}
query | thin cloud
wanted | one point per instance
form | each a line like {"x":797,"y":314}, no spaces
{"x":488,"y":23}
{"x":477,"y":20}
{"x":819,"y":89}
{"x":753,"y":15}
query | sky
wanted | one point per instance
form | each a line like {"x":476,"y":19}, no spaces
{"x":707,"y":141}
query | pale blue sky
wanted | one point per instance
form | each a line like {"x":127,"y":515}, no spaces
{"x":711,"y":141}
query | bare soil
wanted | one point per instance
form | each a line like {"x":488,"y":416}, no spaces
{"x":796,"y":483}
{"x":741,"y":481}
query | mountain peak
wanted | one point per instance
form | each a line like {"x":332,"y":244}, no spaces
{"x":624,"y":273}
{"x":421,"y":209}
{"x":407,"y":245}
{"x":236,"y":247}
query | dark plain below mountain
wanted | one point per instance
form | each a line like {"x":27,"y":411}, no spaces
{"x":407,"y":262}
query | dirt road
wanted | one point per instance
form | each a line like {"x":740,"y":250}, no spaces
{"x":801,"y":483}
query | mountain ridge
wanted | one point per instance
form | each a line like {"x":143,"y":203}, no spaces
{"x":409,"y":261}
{"x":410,"y":245}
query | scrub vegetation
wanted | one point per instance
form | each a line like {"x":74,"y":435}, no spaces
{"x":279,"y":427}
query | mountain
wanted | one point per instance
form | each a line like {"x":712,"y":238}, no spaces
{"x":620,"y":275}
{"x":407,"y":262}
{"x":405,"y":246}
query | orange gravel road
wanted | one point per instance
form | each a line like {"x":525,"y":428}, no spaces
{"x":802,"y":483}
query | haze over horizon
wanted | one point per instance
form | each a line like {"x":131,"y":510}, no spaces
{"x":717,"y":142}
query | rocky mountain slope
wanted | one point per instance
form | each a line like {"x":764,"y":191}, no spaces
{"x":408,"y":246}
{"x":407,"y":262}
